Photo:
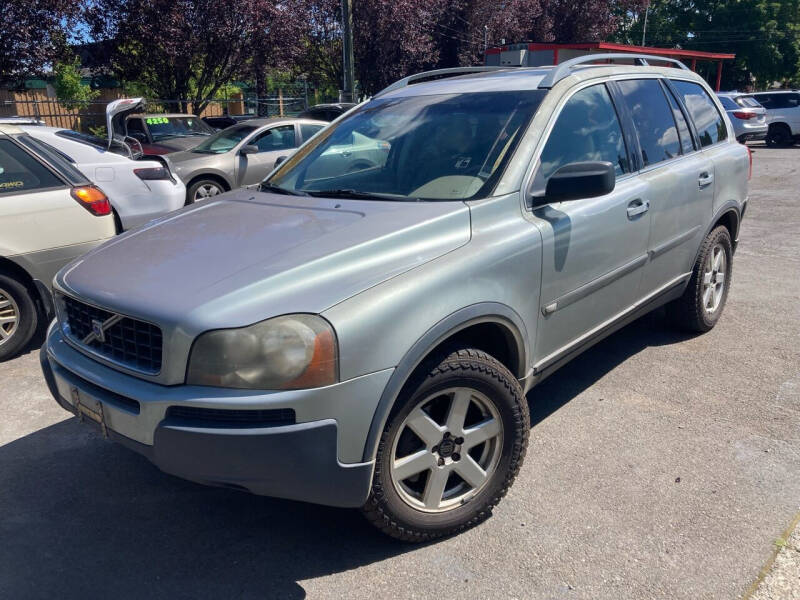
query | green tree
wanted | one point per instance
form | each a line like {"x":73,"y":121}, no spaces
{"x":71,"y":92}
{"x":764,"y":35}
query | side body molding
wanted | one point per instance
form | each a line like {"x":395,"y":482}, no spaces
{"x":483,"y":312}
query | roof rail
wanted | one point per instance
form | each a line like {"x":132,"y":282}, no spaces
{"x":436,"y":74}
{"x":565,"y":69}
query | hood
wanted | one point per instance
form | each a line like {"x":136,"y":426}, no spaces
{"x":250,"y":255}
{"x":176,"y":144}
{"x":116,"y":112}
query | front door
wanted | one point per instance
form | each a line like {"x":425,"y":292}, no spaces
{"x":593,"y":249}
{"x":273,"y":143}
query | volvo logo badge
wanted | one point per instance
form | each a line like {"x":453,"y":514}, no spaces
{"x":97,"y":330}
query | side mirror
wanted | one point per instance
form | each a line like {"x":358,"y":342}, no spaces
{"x":579,"y":180}
{"x":249,"y":149}
{"x":279,"y":160}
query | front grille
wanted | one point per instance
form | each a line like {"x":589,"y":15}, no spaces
{"x":131,"y":343}
{"x":191,"y":416}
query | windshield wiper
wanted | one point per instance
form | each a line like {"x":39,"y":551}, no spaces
{"x":356,"y":195}
{"x":276,"y":189}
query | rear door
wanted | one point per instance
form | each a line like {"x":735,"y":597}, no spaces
{"x":594,"y":249}
{"x":277,"y":141}
{"x":679,"y":180}
{"x":730,"y":159}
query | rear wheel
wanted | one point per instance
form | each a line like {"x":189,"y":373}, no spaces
{"x":451,"y":448}
{"x":779,"y":136}
{"x":203,"y":189}
{"x":18,"y":316}
{"x":702,"y":302}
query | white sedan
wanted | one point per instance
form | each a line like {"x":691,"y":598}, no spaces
{"x":139,"y":190}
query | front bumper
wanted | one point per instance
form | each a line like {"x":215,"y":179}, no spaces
{"x":299,"y":461}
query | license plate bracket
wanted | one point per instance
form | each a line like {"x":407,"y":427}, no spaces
{"x":88,"y":408}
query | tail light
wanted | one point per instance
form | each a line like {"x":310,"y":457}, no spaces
{"x":750,"y":156}
{"x":740,"y":114}
{"x":92,"y":199}
{"x":152,"y":173}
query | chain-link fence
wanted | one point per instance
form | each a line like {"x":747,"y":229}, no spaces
{"x":91,"y":115}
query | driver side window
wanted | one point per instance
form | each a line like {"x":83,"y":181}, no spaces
{"x":587,"y":129}
{"x":277,"y":138}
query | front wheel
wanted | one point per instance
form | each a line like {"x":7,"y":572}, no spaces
{"x":451,"y":448}
{"x":203,"y":189}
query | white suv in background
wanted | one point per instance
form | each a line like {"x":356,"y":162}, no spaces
{"x":783,"y":116}
{"x":49,"y":215}
{"x":139,"y":190}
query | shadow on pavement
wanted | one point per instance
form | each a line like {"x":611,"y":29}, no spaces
{"x":84,"y":518}
{"x":576,"y":376}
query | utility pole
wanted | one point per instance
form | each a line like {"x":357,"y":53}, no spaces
{"x":346,"y":94}
{"x":485,"y":38}
{"x":644,"y":28}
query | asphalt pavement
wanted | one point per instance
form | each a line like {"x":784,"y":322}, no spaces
{"x":661,"y":465}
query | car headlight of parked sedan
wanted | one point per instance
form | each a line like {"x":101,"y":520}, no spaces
{"x":288,"y":352}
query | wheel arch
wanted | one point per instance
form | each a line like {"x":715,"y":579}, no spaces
{"x":39,"y":293}
{"x":492,"y":327}
{"x":210,"y":175}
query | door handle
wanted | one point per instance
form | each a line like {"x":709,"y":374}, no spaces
{"x":637,"y":207}
{"x":705,"y":179}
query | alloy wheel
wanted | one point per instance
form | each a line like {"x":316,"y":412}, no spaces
{"x":714,"y":279}
{"x":9,"y":316}
{"x":446,"y":449}
{"x":205,"y":191}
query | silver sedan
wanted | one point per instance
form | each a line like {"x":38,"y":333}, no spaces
{"x":240,"y":155}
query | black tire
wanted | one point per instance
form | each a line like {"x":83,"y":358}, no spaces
{"x":689,"y":312}
{"x":23,"y":307}
{"x":200,"y":183}
{"x":465,"y":369}
{"x":779,"y":136}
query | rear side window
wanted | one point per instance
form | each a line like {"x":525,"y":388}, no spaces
{"x":652,"y":117}
{"x":21,"y":172}
{"x":57,"y":159}
{"x":783,"y":101}
{"x":728,"y":103}
{"x":587,"y":129}
{"x":747,"y":102}
{"x":707,"y":120}
{"x":687,"y":145}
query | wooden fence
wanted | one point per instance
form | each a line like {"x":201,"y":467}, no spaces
{"x":42,"y":104}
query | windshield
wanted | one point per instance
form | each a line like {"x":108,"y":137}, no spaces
{"x":167,"y":127}
{"x":440,"y":147}
{"x":225,"y":140}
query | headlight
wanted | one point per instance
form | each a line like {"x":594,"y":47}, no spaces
{"x":287,"y":353}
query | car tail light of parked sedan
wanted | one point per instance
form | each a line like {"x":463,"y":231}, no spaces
{"x":151,"y":174}
{"x":740,"y":114}
{"x":92,"y":199}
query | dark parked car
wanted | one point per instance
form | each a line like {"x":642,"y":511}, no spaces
{"x":326,"y":112}
{"x":221,"y":122}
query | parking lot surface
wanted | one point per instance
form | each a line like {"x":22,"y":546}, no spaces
{"x":661,"y":465}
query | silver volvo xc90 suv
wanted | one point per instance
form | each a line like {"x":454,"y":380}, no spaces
{"x":365,"y":337}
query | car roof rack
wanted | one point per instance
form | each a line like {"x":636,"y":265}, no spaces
{"x":437,"y":74}
{"x":565,"y":69}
